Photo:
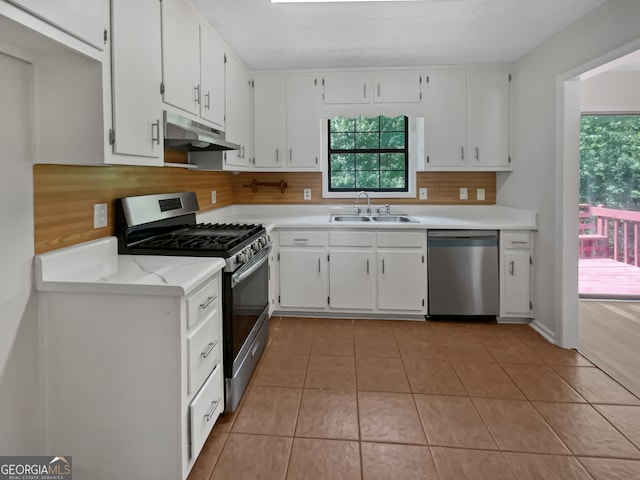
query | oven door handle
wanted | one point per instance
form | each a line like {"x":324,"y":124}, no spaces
{"x":237,"y":278}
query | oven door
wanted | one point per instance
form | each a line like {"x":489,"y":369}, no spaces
{"x":246,"y":298}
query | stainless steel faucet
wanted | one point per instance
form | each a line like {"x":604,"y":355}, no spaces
{"x":368,"y":201}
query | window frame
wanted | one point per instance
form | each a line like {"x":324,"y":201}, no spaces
{"x":414,"y":143}
{"x":378,"y":151}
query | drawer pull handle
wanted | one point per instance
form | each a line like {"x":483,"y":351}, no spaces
{"x":205,"y":305}
{"x":211,"y":347}
{"x":300,"y":239}
{"x":519,"y":242}
{"x":214,"y":405}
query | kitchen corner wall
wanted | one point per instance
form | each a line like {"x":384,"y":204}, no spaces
{"x":64,"y":195}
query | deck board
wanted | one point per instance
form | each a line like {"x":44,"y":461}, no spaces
{"x":607,"y":278}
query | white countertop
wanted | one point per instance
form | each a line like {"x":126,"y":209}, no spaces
{"x":476,"y":217}
{"x":96,"y":267}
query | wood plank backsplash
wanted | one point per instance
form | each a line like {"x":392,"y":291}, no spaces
{"x":64,"y":195}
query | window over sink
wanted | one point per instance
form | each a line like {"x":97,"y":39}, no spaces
{"x":369,"y":154}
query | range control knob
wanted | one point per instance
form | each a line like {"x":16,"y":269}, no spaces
{"x":263,"y":241}
{"x":255,"y":246}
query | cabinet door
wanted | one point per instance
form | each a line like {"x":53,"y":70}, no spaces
{"x":517,"y":287}
{"x":270,"y":112}
{"x":444,"y":120}
{"x":181,"y":56}
{"x":347,"y":88}
{"x":303,"y":277}
{"x":212,"y":65}
{"x":84,"y":19}
{"x":401,"y":280}
{"x":396,"y":87}
{"x":136,"y":78}
{"x":239,"y":113}
{"x":352,"y":279}
{"x":488,"y":119}
{"x":303,"y":125}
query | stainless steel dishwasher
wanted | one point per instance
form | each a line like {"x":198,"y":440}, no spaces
{"x":463,"y":272}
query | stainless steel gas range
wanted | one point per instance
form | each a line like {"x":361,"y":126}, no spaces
{"x":165,"y":224}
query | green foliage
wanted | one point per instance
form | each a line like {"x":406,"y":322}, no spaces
{"x":373,"y":168}
{"x":610,"y":161}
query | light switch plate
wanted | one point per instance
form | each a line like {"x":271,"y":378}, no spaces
{"x":214,"y":197}
{"x":307,"y":194}
{"x":480,"y":194}
{"x":100,"y":215}
{"x":423,"y":194}
{"x":464,"y":194}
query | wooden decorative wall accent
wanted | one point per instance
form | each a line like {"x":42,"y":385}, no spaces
{"x":64,"y":197}
{"x":443,"y":188}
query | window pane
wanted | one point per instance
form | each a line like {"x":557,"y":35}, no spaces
{"x":367,"y":179}
{"x":342,"y":162}
{"x":343,"y":124}
{"x":367,"y":161}
{"x":367,"y":141}
{"x":395,"y":124}
{"x":392,"y":161}
{"x":343,"y":180}
{"x":343,"y":141}
{"x":364,"y":124}
{"x":393,"y":140}
{"x":392,"y":179}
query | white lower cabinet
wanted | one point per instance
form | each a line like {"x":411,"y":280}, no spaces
{"x":352,"y":278}
{"x":516,"y":260}
{"x":401,"y":283}
{"x":358,"y":271}
{"x":303,"y":269}
{"x":133,"y":377}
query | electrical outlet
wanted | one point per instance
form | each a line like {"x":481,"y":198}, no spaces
{"x":307,"y":194}
{"x":213,"y":197}
{"x":480,"y":194}
{"x":423,"y":194}
{"x":100,"y":215}
{"x":464,"y":194}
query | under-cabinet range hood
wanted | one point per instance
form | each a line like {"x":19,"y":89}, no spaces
{"x":184,"y":134}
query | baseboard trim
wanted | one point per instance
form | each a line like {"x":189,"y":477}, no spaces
{"x":544,"y":331}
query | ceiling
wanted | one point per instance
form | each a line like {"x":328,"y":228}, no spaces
{"x":379,"y":34}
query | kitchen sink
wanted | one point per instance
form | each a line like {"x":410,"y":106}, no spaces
{"x":375,"y":218}
{"x":395,"y":219}
{"x":350,"y":218}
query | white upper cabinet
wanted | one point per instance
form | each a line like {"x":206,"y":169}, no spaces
{"x":212,"y":68}
{"x":181,"y":56}
{"x":287,"y":128}
{"x":347,"y":88}
{"x":136,"y":78}
{"x":192,"y":64}
{"x":86,"y":20}
{"x":445,"y":116}
{"x":270,"y":121}
{"x":303,"y":125}
{"x":239,"y":114}
{"x":397,"y":87}
{"x":466,"y":121}
{"x":488,"y":118}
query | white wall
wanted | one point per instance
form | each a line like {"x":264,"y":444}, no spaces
{"x":611,"y":92}
{"x":20,"y":412}
{"x":537,"y":181}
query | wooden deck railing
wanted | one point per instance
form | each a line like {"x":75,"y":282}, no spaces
{"x":618,"y":228}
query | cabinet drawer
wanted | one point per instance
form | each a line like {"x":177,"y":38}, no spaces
{"x":303,"y":238}
{"x":203,"y":347}
{"x":205,"y":409}
{"x":201,"y":303}
{"x":351,"y":239}
{"x":403,"y":239}
{"x":516,"y":240}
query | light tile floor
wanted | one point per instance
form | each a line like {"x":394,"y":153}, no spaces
{"x":372,"y":399}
